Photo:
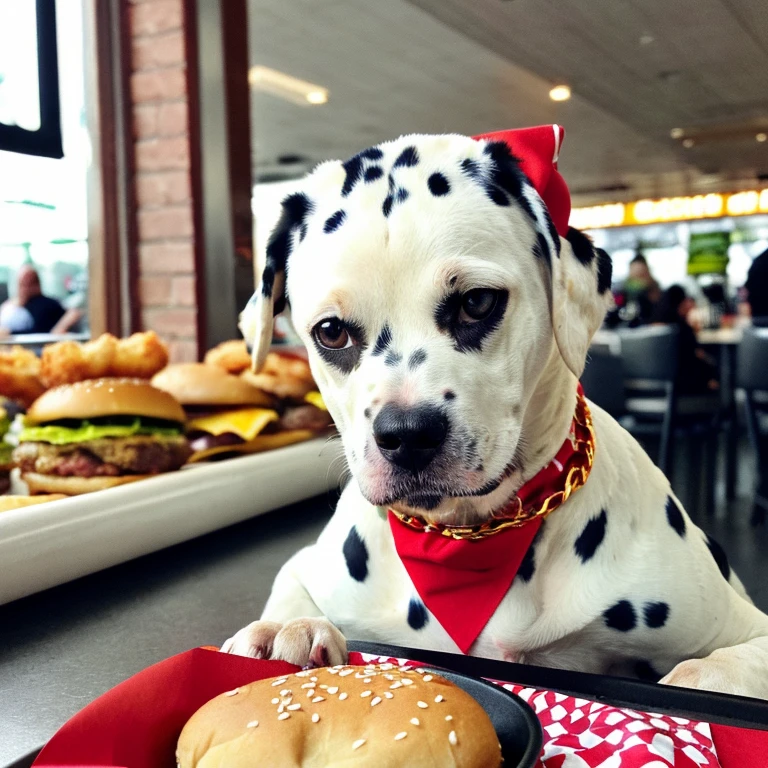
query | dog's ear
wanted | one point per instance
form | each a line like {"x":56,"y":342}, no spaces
{"x":257,"y":319}
{"x":581,"y":282}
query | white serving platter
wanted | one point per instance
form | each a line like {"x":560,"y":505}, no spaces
{"x":48,"y":544}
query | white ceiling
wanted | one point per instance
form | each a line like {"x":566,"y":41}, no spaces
{"x":471,"y":66}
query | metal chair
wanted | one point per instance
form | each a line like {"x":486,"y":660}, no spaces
{"x":650,"y":358}
{"x":752,"y":377}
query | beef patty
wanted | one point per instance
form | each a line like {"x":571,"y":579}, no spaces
{"x":112,"y":456}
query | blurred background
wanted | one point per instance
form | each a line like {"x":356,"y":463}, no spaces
{"x":145,"y":149}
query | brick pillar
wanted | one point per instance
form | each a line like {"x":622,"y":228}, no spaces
{"x":162,"y":151}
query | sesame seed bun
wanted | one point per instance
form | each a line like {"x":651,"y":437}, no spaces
{"x":352,"y":716}
{"x":104,"y":397}
{"x":201,"y":384}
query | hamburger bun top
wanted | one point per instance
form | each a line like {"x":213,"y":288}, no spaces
{"x":352,"y":716}
{"x":104,"y":397}
{"x":201,"y":384}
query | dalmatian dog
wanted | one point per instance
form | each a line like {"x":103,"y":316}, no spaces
{"x":447,"y":324}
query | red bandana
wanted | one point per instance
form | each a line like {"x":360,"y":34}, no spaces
{"x":463,"y":572}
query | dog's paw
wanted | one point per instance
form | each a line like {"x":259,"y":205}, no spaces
{"x":313,"y":642}
{"x":726,"y":670}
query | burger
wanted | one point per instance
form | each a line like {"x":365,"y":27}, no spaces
{"x":379,"y":716}
{"x":100,"y":433}
{"x":225,"y":414}
{"x":6,"y":449}
{"x":284,"y":375}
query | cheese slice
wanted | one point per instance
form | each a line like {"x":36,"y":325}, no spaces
{"x":316,"y":399}
{"x":257,"y":445}
{"x":244,"y":422}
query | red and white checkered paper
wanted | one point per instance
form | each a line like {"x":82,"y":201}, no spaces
{"x":585,"y":734}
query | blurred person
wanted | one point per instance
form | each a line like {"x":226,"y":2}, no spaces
{"x":696,"y":372}
{"x":640,"y":292}
{"x":757,"y":287}
{"x":75,"y":317}
{"x":45,"y":311}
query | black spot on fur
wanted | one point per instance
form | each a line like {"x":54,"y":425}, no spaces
{"x":553,"y":233}
{"x":267,"y":281}
{"x":373,"y":173}
{"x":356,"y":555}
{"x":295,"y":209}
{"x":387,"y":205}
{"x":621,"y":616}
{"x":718,"y":553}
{"x":528,"y":565}
{"x":367,"y":413}
{"x":332,"y":223}
{"x":604,"y":271}
{"x":591,"y":537}
{"x":353,"y":169}
{"x":449,"y":394}
{"x":407,"y":158}
{"x":402,"y":194}
{"x":497,"y":195}
{"x":644,"y":671}
{"x":675,"y":517}
{"x":541,"y":250}
{"x":372,"y":153}
{"x":471,"y":168}
{"x":582,"y":246}
{"x":417,"y":614}
{"x":393,"y":359}
{"x":656,"y":614}
{"x":417,"y":357}
{"x":438,"y":185}
{"x":383,"y":341}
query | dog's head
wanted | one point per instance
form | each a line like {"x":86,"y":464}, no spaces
{"x":430,"y":287}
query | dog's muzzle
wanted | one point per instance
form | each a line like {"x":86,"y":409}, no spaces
{"x":410,"y":438}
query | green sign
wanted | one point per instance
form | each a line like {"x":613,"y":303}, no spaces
{"x":708,"y":253}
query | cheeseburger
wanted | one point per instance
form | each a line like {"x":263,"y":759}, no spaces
{"x":100,"y":433}
{"x":379,"y":716}
{"x":223,"y":410}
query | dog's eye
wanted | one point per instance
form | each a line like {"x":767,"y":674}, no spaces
{"x":477,"y":304}
{"x":332,"y":334}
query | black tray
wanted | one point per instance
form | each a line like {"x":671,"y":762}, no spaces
{"x":516,"y":725}
{"x":708,"y":707}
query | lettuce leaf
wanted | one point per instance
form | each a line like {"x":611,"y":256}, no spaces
{"x":58,"y":434}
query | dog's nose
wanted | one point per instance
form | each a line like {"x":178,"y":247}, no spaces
{"x":410,"y":437}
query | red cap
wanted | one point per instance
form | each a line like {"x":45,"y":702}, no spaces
{"x":537,"y":149}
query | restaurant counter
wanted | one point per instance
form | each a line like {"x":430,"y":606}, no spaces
{"x":62,"y":648}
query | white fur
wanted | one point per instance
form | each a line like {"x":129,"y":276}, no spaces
{"x":516,"y":399}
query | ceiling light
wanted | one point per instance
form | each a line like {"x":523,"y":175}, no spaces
{"x":677,"y":133}
{"x":688,"y":143}
{"x":317,"y":97}
{"x":286,"y":86}
{"x":560,"y":93}
{"x":761,"y":137}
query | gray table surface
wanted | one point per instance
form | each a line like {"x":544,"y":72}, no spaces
{"x":64,"y":647}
